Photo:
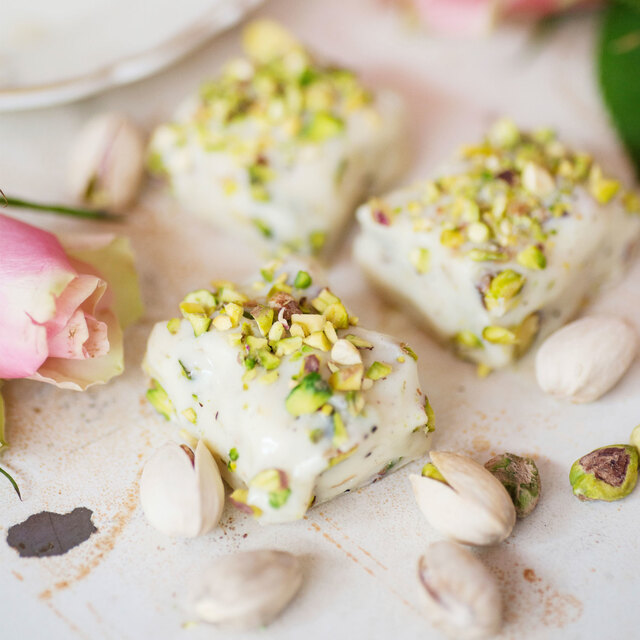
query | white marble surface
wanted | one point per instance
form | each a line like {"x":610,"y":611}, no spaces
{"x":568,"y":571}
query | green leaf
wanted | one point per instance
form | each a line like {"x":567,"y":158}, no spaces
{"x":12,"y":481}
{"x":619,"y":72}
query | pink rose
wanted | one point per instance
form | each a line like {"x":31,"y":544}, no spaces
{"x":63,"y":305}
{"x":473,"y":17}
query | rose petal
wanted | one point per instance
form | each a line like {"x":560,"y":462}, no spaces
{"x":112,"y":257}
{"x":81,"y":374}
{"x":459,"y":17}
{"x":34,"y":270}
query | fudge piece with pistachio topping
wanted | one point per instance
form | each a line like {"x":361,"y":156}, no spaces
{"x":503,"y":244}
{"x":298,"y":403}
{"x":279,"y":148}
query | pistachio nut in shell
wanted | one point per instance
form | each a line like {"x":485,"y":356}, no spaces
{"x":608,"y":473}
{"x":458,"y":593}
{"x":586,"y":358}
{"x":520,"y":477}
{"x":463,"y":500}
{"x":181,"y":491}
{"x":107,"y":162}
{"x":245,"y":590}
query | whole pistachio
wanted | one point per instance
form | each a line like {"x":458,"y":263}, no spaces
{"x":586,"y":358}
{"x":520,"y":477}
{"x":457,"y":592}
{"x":246,"y":590}
{"x":107,"y":163}
{"x":181,"y":491}
{"x":608,"y":473}
{"x":463,"y":501}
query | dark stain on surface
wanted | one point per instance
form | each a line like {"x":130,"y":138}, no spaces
{"x":51,"y":534}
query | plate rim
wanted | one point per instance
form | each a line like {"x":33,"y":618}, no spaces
{"x":130,"y":68}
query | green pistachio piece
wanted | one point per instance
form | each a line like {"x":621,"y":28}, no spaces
{"x":483,"y":255}
{"x":337,"y":315}
{"x":499,"y":335}
{"x":265,"y":40}
{"x":202,"y":297}
{"x":324,"y":299}
{"x":159,"y":399}
{"x":302,"y":281}
{"x":431,"y":471}
{"x":520,"y":477}
{"x":409,"y":351}
{"x":526,"y":333}
{"x":503,"y":288}
{"x":279,"y":498}
{"x":431,"y":416}
{"x":601,"y":188}
{"x":378,"y":370}
{"x":347,"y":378}
{"x":233,"y":454}
{"x":261,"y":226}
{"x":358,"y":342}
{"x":173,"y":325}
{"x":467,"y":339}
{"x":190,"y":415}
{"x":504,"y":134}
{"x":608,"y":473}
{"x":322,"y":126}
{"x":532,"y":258}
{"x":451,"y":238}
{"x":263,"y":317}
{"x":340,"y":435}
{"x":420,"y":259}
{"x":308,"y":396}
{"x":268,"y":360}
{"x":317,"y":240}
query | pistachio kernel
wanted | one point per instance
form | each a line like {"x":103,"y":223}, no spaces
{"x":608,"y":473}
{"x":499,"y":335}
{"x":308,"y":396}
{"x":520,"y":477}
{"x":532,"y":258}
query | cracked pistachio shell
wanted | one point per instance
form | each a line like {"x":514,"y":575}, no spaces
{"x":458,"y":593}
{"x":246,"y":590}
{"x":181,"y":491}
{"x":107,"y":163}
{"x":471,"y":506}
{"x":586,"y":358}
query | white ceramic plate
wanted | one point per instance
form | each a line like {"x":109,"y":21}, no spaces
{"x":55,"y":52}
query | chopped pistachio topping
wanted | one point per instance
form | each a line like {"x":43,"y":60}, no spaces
{"x":532,"y":258}
{"x":408,"y":350}
{"x":502,"y":290}
{"x":308,"y":396}
{"x":502,"y":204}
{"x":499,"y":335}
{"x":276,"y":326}
{"x":379,"y":370}
{"x":159,"y":399}
{"x":173,"y":325}
{"x":467,"y":339}
{"x":420,"y":259}
{"x":262,"y":106}
{"x":302,"y":281}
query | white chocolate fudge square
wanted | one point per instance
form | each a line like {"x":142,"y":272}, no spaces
{"x":504,"y":244}
{"x":297,"y":404}
{"x":279,"y":149}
